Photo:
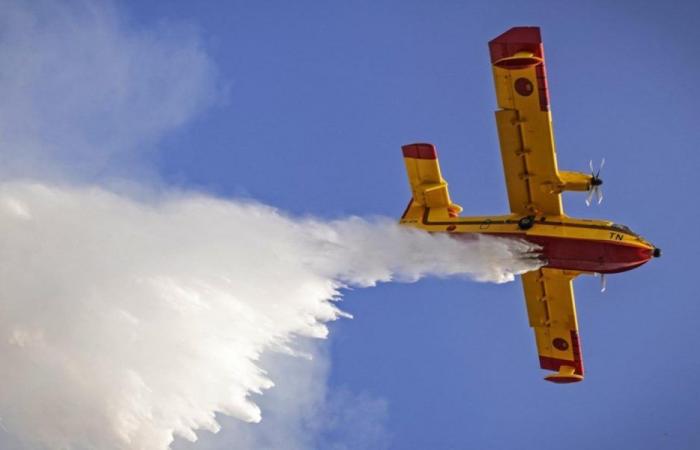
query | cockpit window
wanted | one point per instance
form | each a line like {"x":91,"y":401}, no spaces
{"x":621,"y":227}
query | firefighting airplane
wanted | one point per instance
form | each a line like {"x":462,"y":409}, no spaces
{"x":570,"y":247}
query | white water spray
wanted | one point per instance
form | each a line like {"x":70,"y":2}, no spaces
{"x":124,"y":323}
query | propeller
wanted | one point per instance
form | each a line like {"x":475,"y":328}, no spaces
{"x":596,"y":183}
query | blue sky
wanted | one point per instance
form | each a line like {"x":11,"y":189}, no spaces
{"x":320,"y":97}
{"x":316,"y":100}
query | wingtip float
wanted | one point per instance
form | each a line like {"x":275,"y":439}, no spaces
{"x":570,"y":246}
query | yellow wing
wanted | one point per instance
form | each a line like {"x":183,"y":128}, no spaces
{"x":524,"y":125}
{"x":551,"y":311}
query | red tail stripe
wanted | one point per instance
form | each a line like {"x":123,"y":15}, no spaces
{"x":419,"y":151}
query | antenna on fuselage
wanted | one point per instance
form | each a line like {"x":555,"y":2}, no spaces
{"x":603,"y":281}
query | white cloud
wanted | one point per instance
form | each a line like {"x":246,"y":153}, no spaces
{"x":354,"y":422}
{"x":84,"y":93}
{"x":301,"y":413}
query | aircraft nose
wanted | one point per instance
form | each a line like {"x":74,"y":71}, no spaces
{"x":657,"y":252}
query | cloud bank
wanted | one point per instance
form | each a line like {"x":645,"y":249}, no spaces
{"x":128,"y":320}
{"x":85,"y":94}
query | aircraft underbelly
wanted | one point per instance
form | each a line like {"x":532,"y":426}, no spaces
{"x":590,"y":255}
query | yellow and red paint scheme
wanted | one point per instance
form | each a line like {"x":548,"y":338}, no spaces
{"x":569,"y":246}
{"x":567,"y":243}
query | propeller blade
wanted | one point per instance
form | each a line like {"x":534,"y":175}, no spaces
{"x":596,"y":182}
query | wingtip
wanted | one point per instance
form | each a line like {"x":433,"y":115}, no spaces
{"x":529,"y":34}
{"x":564,"y":379}
{"x":565,"y":375}
{"x":515,"y":40}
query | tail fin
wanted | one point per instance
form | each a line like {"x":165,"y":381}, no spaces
{"x":427,"y":185}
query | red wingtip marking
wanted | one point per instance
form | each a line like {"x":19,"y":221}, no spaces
{"x":548,"y":363}
{"x":576,"y":349}
{"x":516,"y":40}
{"x":554,"y":363}
{"x":419,"y":151}
{"x":520,"y":34}
{"x":542,"y":87}
{"x":522,"y":39}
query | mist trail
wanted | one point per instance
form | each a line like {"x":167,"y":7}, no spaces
{"x":127,"y":322}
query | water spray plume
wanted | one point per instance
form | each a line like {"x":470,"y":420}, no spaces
{"x":139,"y":321}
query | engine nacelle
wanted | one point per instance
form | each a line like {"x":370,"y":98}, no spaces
{"x":575,"y":181}
{"x":571,"y":181}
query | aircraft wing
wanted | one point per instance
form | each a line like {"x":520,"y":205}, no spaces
{"x":524,"y":122}
{"x":551,"y":310}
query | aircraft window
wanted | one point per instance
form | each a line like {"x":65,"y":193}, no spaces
{"x":621,"y":227}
